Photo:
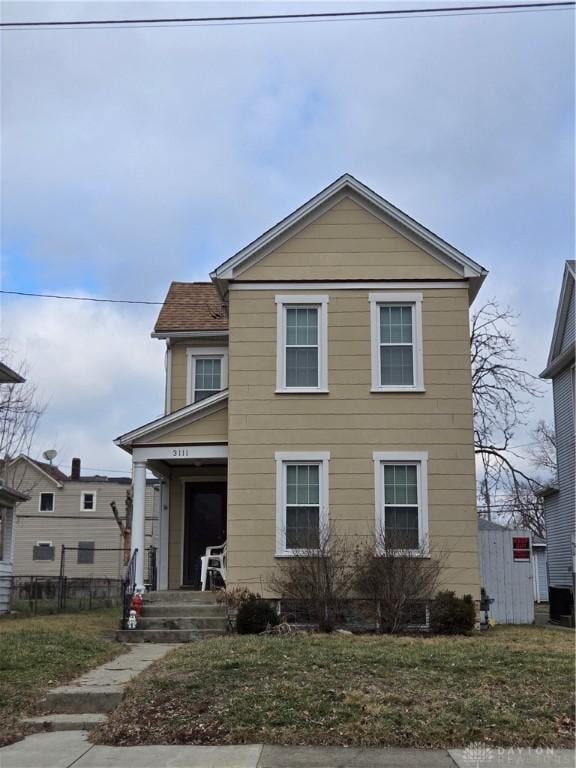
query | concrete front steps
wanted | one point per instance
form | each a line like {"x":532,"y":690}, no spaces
{"x":177,"y":616}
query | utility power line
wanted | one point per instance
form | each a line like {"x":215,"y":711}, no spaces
{"x":294,"y":17}
{"x":79,"y":298}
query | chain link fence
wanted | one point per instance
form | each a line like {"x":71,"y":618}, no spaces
{"x":39,"y":595}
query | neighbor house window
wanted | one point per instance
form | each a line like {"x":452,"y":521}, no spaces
{"x":301,"y":501}
{"x":88,"y":503}
{"x":207,"y":372}
{"x":521,"y":548}
{"x":43,"y":550}
{"x":401,"y":500}
{"x":85,"y":552}
{"x":46,"y":502}
{"x":302,"y":344}
{"x":396,"y":330}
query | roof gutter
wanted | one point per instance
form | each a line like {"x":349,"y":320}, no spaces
{"x":187,"y":334}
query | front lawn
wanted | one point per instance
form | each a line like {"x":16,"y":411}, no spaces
{"x":42,"y":652}
{"x":508,"y":687}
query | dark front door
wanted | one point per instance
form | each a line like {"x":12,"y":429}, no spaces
{"x":204,"y":525}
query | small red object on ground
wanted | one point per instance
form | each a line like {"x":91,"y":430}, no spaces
{"x":136,"y":604}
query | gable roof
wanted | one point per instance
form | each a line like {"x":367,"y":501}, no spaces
{"x":8,"y":376}
{"x":191,"y":307}
{"x":558,"y":360}
{"x":48,"y":470}
{"x":348,"y":186}
{"x":176,"y":418}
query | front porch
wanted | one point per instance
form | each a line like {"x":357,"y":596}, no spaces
{"x":192,"y":514}
{"x":188,"y":451}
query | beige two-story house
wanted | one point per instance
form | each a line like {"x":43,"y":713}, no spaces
{"x":73,"y":511}
{"x":321,"y":379}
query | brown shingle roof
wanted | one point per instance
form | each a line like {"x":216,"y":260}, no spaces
{"x":192,"y":307}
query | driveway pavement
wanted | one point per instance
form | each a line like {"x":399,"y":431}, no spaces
{"x":71,"y":748}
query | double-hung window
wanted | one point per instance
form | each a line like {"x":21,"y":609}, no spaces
{"x":396,"y":329}
{"x":302,"y":344}
{"x":301,"y":502}
{"x":401,"y":501}
{"x":88,"y":501}
{"x":207,"y":372}
{"x":46,"y":502}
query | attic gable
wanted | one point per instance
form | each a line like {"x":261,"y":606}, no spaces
{"x":347,"y":242}
{"x":562,"y":346}
{"x":348,"y":232}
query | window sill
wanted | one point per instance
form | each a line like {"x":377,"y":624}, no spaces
{"x":297,"y":553}
{"x":384,"y":390}
{"x":416,"y":553}
{"x":302,"y":391}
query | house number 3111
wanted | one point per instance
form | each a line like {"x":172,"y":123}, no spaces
{"x":179,"y":451}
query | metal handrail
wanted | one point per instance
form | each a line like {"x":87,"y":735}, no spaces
{"x":128,"y":588}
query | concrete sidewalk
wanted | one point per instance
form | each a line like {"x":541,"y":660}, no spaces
{"x":71,"y":748}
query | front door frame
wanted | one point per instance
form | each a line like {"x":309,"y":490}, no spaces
{"x":208,"y":480}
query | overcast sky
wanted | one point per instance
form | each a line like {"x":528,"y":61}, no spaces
{"x":134,"y":157}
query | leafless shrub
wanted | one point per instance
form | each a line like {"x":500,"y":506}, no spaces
{"x":320,"y":577}
{"x":400,"y":580}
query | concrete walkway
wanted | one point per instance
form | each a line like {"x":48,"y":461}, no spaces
{"x":83,"y":703}
{"x":63,"y":750}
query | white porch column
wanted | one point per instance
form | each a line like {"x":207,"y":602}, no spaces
{"x":163,"y":531}
{"x":138,"y":513}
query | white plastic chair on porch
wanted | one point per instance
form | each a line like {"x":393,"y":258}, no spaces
{"x":214,"y":561}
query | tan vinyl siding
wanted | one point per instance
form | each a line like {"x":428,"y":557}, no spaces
{"x":351,"y":423}
{"x":67,"y":525}
{"x":212,"y":428}
{"x":348,"y":243}
{"x":179,"y":370}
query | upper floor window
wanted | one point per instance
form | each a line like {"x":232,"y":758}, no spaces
{"x":88,"y":501}
{"x":207,"y":372}
{"x":401,"y":500}
{"x":302,"y":344}
{"x":46,"y":503}
{"x":396,"y":330}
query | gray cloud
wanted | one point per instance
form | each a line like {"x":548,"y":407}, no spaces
{"x":133,"y":157}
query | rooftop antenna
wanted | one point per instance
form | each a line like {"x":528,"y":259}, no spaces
{"x":50,"y":455}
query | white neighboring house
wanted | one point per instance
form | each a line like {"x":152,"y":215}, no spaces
{"x":8,"y":500}
{"x":74,"y":511}
{"x":512,"y":571}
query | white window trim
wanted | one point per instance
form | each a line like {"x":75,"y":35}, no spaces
{"x":44,"y":544}
{"x":284,"y":458}
{"x":400,"y":297}
{"x":305,"y":300}
{"x":420,"y":458}
{"x":196,"y":353}
{"x":82,"y":503}
{"x":46,"y":493}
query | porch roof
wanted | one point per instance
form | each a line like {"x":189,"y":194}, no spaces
{"x":173,"y":421}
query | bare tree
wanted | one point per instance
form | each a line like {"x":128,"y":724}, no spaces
{"x":125,"y":524}
{"x":400,"y":578}
{"x":20,"y":411}
{"x":502,"y":390}
{"x":522,"y":507}
{"x":543,"y":452}
{"x":319,"y":578}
